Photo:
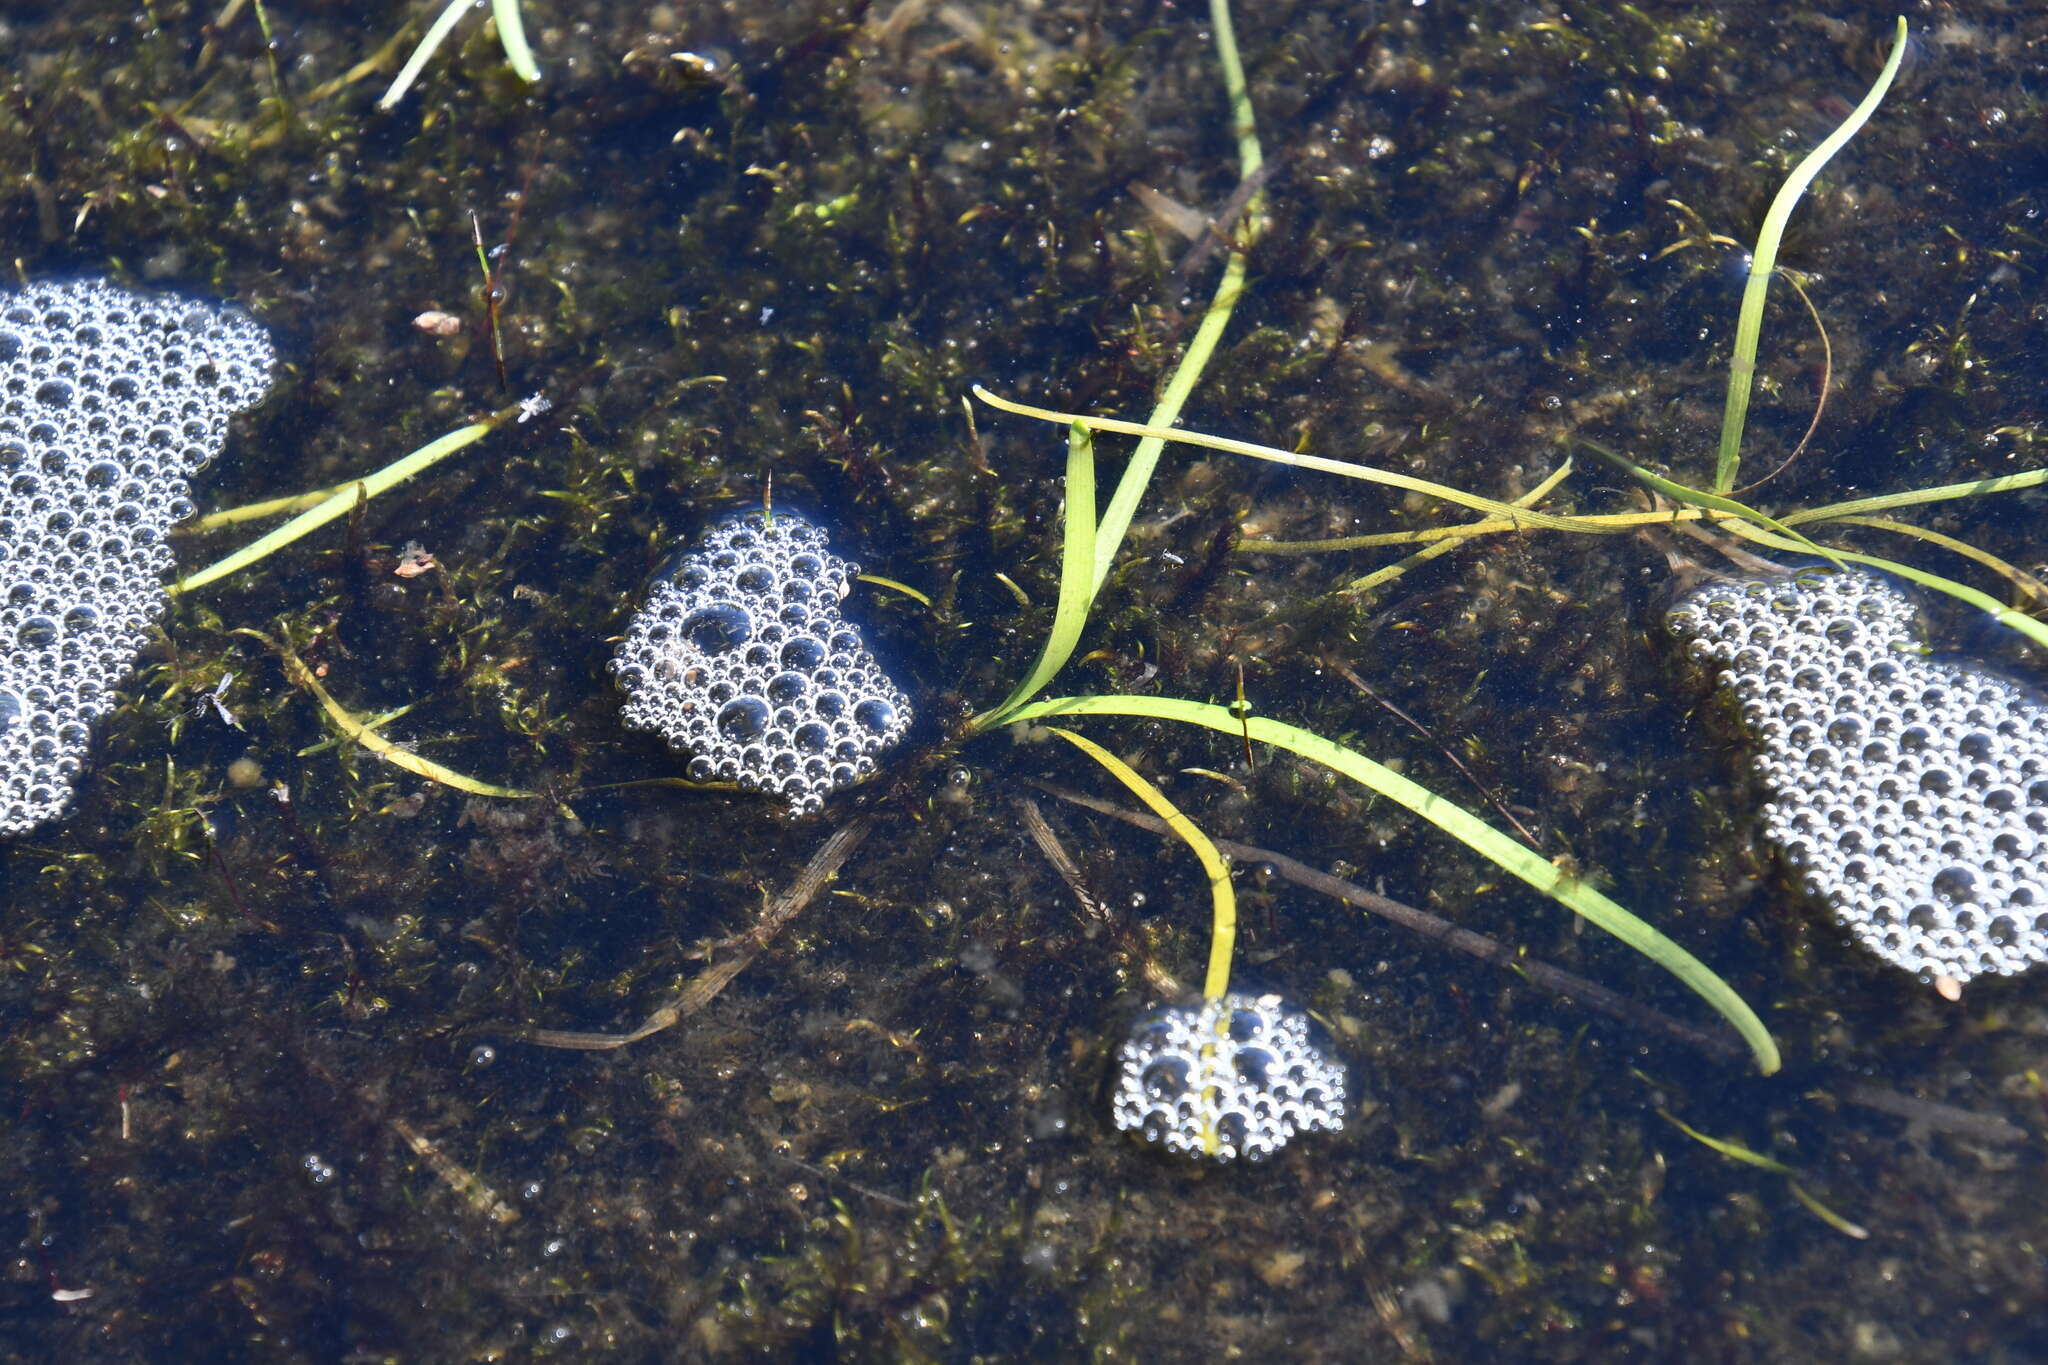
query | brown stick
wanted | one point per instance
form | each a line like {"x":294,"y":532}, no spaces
{"x":775,"y":914}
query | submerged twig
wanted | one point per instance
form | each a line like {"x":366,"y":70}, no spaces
{"x":1350,"y":675}
{"x":776,"y":914}
{"x":1062,"y":862}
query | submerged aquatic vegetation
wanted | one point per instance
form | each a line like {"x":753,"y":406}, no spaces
{"x":511,"y":26}
{"x":884,"y":1137}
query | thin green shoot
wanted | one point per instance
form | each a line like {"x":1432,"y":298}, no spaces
{"x":491,"y":296}
{"x":1077,"y":587}
{"x":1717,"y":502}
{"x":437,"y":33}
{"x":912,"y":593}
{"x":1130,"y":489}
{"x":1366,"y":473}
{"x":1749,"y":320}
{"x":1222,"y":895}
{"x":511,"y":36}
{"x":1735,"y":1151}
{"x":1454,"y":820}
{"x":345,"y":498}
{"x":1884,"y":502}
{"x":366,"y":734}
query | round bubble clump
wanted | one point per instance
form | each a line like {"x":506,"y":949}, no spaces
{"x":1227,"y":1078}
{"x":741,"y":659}
{"x":1910,"y":794}
{"x":110,"y":400}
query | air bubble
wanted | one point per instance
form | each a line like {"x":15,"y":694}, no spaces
{"x":719,"y":627}
{"x":743,"y":718}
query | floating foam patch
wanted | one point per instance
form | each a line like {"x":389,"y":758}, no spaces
{"x":1224,"y":1079}
{"x":741,"y":659}
{"x":110,"y":401}
{"x":1910,"y":793}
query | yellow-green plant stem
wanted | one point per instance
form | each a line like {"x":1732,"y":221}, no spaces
{"x":1454,"y":820}
{"x":1077,"y":590}
{"x":1735,"y":1151}
{"x":512,"y":37}
{"x":1749,"y":320}
{"x":2026,"y":583}
{"x":366,"y":734}
{"x":1123,"y":503}
{"x":1274,"y":454}
{"x":1084,"y":568}
{"x":1222,"y":895}
{"x":1435,"y":549}
{"x":257,"y":511}
{"x":346,"y":497}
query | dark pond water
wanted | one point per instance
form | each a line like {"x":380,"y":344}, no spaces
{"x":273,"y":1081}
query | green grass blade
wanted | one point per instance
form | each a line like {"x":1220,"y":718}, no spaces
{"x":1273,"y":454}
{"x":424,"y":53}
{"x":345,"y":498}
{"x":1077,"y":584}
{"x":2025,"y":582}
{"x":1734,"y":1151}
{"x":1454,"y":820}
{"x":1750,"y":319}
{"x":1884,"y":502}
{"x":512,"y":37}
{"x":2026,"y":625}
{"x":1715,"y":502}
{"x":1130,"y":487}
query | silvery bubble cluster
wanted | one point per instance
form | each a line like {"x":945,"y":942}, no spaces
{"x":110,"y":401}
{"x":741,"y":659}
{"x":1228,"y":1078}
{"x":1910,"y":793}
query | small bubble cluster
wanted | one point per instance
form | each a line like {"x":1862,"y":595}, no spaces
{"x":110,"y":401}
{"x":1911,"y":794}
{"x":1228,"y":1078}
{"x":741,"y":659}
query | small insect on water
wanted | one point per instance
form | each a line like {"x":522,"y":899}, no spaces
{"x":213,"y":699}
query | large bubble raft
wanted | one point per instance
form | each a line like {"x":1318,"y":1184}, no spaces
{"x":1226,"y":1079}
{"x":1911,"y":794}
{"x":741,"y":659}
{"x":110,"y":400}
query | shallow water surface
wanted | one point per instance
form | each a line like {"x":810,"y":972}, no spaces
{"x":299,"y":1050}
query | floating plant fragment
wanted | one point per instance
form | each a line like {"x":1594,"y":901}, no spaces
{"x":1911,"y":793}
{"x":740,"y":658}
{"x":1231,"y":1077}
{"x":110,"y":401}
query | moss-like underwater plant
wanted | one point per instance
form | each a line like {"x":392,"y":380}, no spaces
{"x":511,"y":26}
{"x":1090,"y":546}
